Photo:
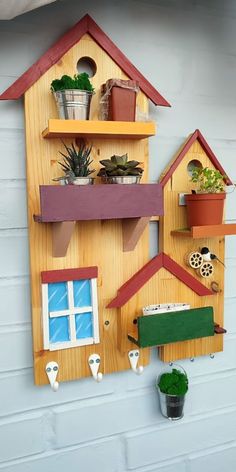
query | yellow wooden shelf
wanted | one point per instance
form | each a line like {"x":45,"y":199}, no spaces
{"x":99,"y":129}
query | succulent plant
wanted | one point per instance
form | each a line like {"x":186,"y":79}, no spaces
{"x":119,"y":166}
{"x":79,"y":81}
{"x":77,"y":161}
{"x":173,"y":383}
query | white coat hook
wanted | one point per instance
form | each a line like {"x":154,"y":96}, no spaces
{"x":133,"y":359}
{"x":94,"y":364}
{"x":52,"y":371}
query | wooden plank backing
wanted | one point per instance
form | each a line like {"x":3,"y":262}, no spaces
{"x":93,"y":243}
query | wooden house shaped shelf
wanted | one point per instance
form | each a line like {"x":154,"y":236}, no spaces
{"x":151,"y":282}
{"x":93,"y":257}
{"x":112,"y":219}
{"x":179,"y":241}
{"x":99,"y":129}
{"x":70,"y":203}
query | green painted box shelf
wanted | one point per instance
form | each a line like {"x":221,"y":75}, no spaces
{"x":171,"y":327}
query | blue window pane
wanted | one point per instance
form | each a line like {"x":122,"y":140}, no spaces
{"x":82,"y":293}
{"x":57,"y":296}
{"x":84,"y":326}
{"x":59,"y":329}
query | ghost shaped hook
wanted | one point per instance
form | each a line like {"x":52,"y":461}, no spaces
{"x":133,"y":359}
{"x":94,"y":364}
{"x":51,"y":370}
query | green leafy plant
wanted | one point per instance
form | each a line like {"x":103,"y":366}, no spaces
{"x":79,"y":81}
{"x":77,"y":161}
{"x":208,"y":180}
{"x":119,"y":166}
{"x":173,"y":383}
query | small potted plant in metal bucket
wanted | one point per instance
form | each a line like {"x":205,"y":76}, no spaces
{"x":205,"y":206}
{"x":119,"y":170}
{"x":73,"y":96}
{"x":76,"y":165}
{"x":172,"y":387}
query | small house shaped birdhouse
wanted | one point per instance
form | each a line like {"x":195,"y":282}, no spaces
{"x":162,"y":281}
{"x":199,"y":249}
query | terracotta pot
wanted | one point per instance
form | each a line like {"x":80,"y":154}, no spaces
{"x":205,"y":209}
{"x":122,"y":104}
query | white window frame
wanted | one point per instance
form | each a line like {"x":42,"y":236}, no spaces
{"x":71,"y":312}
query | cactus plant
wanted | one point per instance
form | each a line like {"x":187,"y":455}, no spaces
{"x":119,"y":166}
{"x":76,"y":162}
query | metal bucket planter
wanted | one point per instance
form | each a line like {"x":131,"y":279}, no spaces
{"x":73,"y":104}
{"x":172,"y":406}
{"x":83,"y":181}
{"x":126,"y":179}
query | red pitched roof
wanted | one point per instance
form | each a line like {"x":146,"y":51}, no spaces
{"x":69,"y":39}
{"x":197,"y":135}
{"x":141,"y":277}
{"x":62,"y":275}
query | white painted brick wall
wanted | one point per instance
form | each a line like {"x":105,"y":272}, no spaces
{"x":215,"y":460}
{"x":122,"y":413}
{"x":21,"y":437}
{"x":187,"y":49}
{"x":105,"y":456}
{"x":14,"y":296}
{"x":182,"y":438}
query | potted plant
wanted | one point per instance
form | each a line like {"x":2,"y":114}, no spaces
{"x":119,"y":170}
{"x":172,"y":387}
{"x":205,"y":206}
{"x":73,"y":96}
{"x":76,"y":165}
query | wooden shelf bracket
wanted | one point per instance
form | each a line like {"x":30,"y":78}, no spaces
{"x":61,"y":236}
{"x":132,"y":229}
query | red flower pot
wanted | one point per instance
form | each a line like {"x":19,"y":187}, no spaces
{"x":205,"y":209}
{"x":119,"y":99}
{"x":122,"y":104}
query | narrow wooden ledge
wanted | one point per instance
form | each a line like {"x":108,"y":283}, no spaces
{"x":209,"y":231}
{"x":99,"y":129}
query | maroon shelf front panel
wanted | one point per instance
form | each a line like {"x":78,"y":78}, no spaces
{"x":99,"y":202}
